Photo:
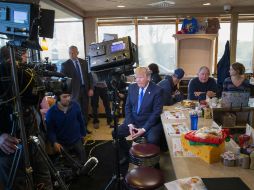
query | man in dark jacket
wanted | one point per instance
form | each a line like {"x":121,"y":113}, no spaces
{"x":10,"y":132}
{"x":202,"y":86}
{"x":65,"y":126}
{"x":171,"y":94}
{"x":82,"y":81}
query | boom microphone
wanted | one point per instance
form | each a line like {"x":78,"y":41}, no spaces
{"x":89,"y":166}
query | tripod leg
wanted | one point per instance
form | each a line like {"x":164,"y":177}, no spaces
{"x":116,"y":183}
{"x":14,"y":167}
{"x":49,"y":163}
{"x":76,"y":164}
{"x":111,"y":182}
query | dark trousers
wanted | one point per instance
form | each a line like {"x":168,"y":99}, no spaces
{"x":84,"y":102}
{"x":153,"y":136}
{"x":78,"y":149}
{"x":103,"y":94}
{"x":41,"y":174}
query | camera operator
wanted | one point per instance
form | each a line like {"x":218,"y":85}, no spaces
{"x":9,"y":132}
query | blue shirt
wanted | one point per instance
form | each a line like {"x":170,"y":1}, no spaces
{"x":196,"y":86}
{"x":65,"y":128}
{"x":168,"y":90}
{"x":190,"y":26}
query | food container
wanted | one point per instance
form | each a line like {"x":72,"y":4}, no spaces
{"x":252,"y":160}
{"x":229,"y":159}
{"x":229,"y":163}
{"x":245,"y":161}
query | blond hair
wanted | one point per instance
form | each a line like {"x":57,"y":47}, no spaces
{"x":143,"y":70}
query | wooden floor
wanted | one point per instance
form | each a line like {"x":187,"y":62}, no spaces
{"x":104,"y":131}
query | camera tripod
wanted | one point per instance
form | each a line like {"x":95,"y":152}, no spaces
{"x":117,"y":180}
{"x":22,"y":149}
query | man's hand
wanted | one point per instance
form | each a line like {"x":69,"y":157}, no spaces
{"x":198,"y":93}
{"x":57,"y":147}
{"x":211,"y":94}
{"x":137,"y":133}
{"x":176,"y":93}
{"x":131,"y":129}
{"x":8,"y":144}
{"x":90,"y":92}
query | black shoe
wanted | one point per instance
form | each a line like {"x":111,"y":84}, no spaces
{"x":96,"y":125}
{"x":124,"y":160}
{"x":109,"y":121}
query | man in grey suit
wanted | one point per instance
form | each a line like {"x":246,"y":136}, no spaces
{"x":82,"y":82}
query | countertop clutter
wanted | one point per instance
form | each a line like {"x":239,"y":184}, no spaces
{"x":210,"y":151}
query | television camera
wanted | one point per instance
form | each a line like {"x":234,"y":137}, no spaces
{"x":115,"y":56}
{"x":23,"y":23}
{"x":46,"y":78}
{"x":112,"y":60}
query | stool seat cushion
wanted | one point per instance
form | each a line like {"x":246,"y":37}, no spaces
{"x":144,"y":150}
{"x":145,"y":178}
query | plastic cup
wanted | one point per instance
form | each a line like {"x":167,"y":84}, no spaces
{"x":194,"y":121}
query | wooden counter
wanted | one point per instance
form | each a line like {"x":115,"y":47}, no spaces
{"x":187,"y":166}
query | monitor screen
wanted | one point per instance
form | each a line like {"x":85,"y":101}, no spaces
{"x":117,"y":47}
{"x":20,"y":17}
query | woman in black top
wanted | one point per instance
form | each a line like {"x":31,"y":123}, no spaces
{"x":237,"y":80}
{"x":155,"y":77}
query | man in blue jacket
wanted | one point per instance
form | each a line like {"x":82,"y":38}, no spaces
{"x":171,"y":94}
{"x":142,"y":111}
{"x":202,"y":86}
{"x":65,"y":126}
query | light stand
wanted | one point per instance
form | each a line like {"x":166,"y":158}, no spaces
{"x":117,"y":180}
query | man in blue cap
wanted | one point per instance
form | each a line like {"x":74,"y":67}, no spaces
{"x":171,"y":94}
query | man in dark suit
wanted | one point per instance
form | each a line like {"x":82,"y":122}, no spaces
{"x":82,"y":82}
{"x":142,"y":111}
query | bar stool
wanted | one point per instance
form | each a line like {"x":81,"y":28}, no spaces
{"x":144,"y":154}
{"x":145,"y":178}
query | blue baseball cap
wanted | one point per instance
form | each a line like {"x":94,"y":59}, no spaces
{"x":179,"y":73}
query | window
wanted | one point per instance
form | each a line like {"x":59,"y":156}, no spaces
{"x":244,"y":50}
{"x":156,"y":45}
{"x":65,"y":35}
{"x":224,"y":36}
{"x":121,"y":31}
